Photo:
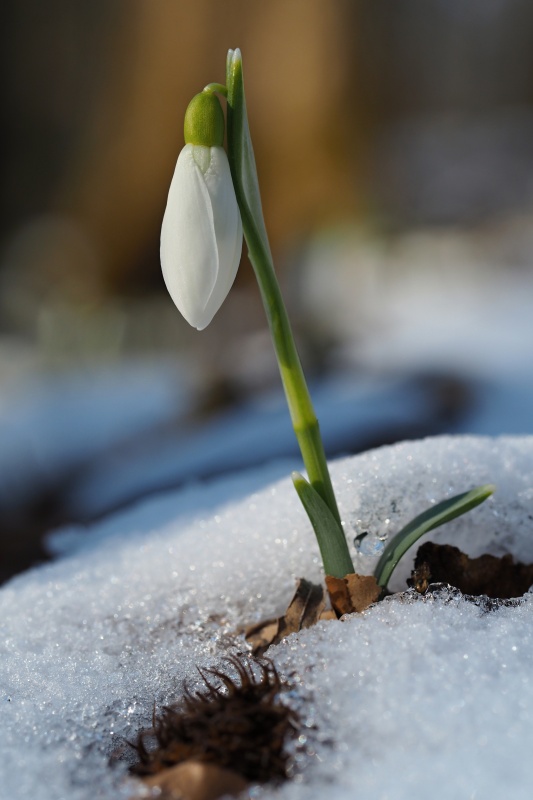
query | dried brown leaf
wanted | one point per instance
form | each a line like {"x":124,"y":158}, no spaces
{"x":352,"y":593}
{"x":304,"y":610}
{"x":497,"y":577}
{"x":261,"y":636}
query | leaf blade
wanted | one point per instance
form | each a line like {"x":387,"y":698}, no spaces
{"x":331,"y":539}
{"x":241,"y":151}
{"x":428,"y":520}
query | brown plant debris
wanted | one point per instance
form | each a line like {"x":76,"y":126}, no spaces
{"x":237,"y":724}
{"x":305,"y":609}
{"x":196,"y":780}
{"x":352,"y":593}
{"x":485,"y":575}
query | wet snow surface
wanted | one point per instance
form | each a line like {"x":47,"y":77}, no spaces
{"x":430,"y":699}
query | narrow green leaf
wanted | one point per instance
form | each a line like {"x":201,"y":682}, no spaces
{"x":330,"y":537}
{"x":240,"y":148}
{"x":431,"y":518}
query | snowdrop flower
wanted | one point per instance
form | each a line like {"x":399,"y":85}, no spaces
{"x":201,"y":236}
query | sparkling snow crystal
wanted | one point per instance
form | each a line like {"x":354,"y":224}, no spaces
{"x":423,"y":698}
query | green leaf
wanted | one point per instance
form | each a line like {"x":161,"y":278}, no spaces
{"x":431,"y":518}
{"x":241,"y":151}
{"x":330,"y":536}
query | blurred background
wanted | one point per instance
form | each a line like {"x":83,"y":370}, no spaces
{"x":394,"y":143}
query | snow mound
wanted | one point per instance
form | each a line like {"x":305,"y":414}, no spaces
{"x":407,"y":698}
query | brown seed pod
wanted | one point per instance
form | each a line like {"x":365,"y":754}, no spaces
{"x":237,"y":723}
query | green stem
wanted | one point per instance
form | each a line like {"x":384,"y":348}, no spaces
{"x":301,"y":409}
{"x":303,"y":417}
{"x":216,"y":87}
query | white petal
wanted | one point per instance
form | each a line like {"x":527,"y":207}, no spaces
{"x":201,"y":237}
{"x":189,"y":252}
{"x":228,"y":230}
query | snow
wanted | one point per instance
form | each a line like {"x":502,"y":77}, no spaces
{"x":50,"y":425}
{"x":350,"y":411}
{"x":440,"y":299}
{"x":410,"y":697}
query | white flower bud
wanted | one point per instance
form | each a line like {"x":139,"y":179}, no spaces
{"x":201,"y":236}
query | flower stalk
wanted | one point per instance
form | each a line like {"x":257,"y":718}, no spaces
{"x":336,"y":556}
